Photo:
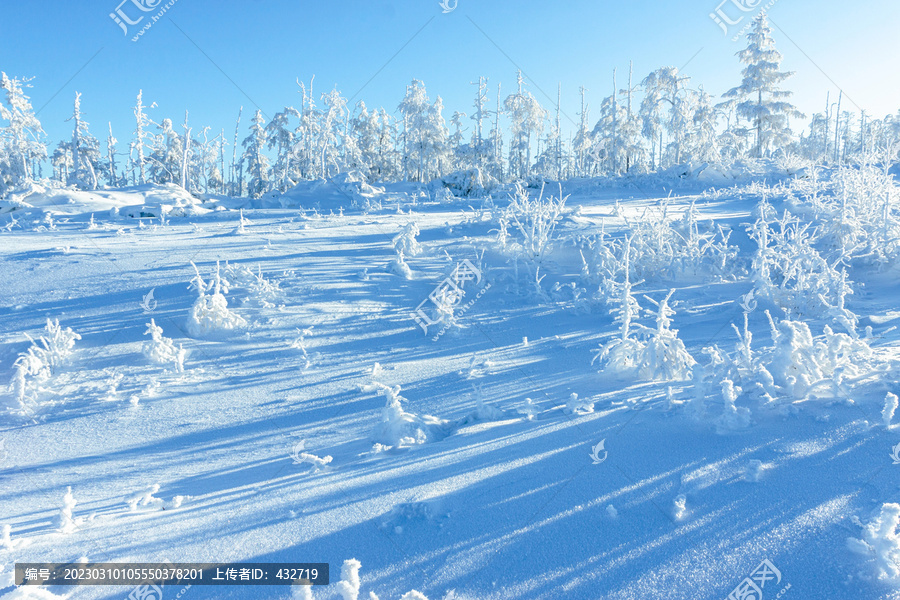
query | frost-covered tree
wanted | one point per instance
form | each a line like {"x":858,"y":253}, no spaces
{"x":141,"y":136}
{"x":111,"y":174}
{"x":85,"y":150}
{"x":20,"y":139}
{"x":166,"y":155}
{"x":255,"y":158}
{"x":280,"y":137}
{"x":527,"y":118}
{"x":761,"y":101}
{"x":424,"y":134}
{"x":582,"y":142}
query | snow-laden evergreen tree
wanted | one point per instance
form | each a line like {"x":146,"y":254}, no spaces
{"x":166,"y":154}
{"x":61,"y":160}
{"x":255,"y":158}
{"x":609,"y":150}
{"x":702,"y":139}
{"x":280,"y":137}
{"x":761,"y":101}
{"x":85,"y":150}
{"x":20,"y":139}
{"x":526,"y":117}
{"x":424,"y":134}
{"x":332,"y":132}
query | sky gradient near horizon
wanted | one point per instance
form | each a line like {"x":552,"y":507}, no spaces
{"x":211,"y":58}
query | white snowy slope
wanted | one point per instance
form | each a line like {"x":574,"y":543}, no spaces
{"x":467,"y":487}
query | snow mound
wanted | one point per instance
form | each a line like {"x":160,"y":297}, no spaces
{"x":151,"y":200}
{"x":467,"y":184}
{"x":343,"y":191}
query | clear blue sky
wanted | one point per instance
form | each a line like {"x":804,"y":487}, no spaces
{"x":211,"y":57}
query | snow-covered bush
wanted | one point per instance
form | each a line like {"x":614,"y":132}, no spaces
{"x":535,"y":221}
{"x":210,"y":313}
{"x":668,"y":249}
{"x":161,"y":349}
{"x":348,"y":587}
{"x":796,"y":366}
{"x":857,"y":210}
{"x":788,"y":271}
{"x":647,"y":353}
{"x":890,"y":407}
{"x":66,"y":521}
{"x":881,"y":541}
{"x":401,"y":428}
{"x":405,"y":242}
{"x":144,"y":498}
{"x":260,"y":291}
{"x":40,"y":361}
{"x":398,"y":266}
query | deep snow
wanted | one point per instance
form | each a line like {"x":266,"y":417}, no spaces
{"x":492,"y":504}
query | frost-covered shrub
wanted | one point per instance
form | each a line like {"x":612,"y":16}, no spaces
{"x":645,"y":352}
{"x":38,"y":363}
{"x":398,"y":266}
{"x":796,"y":366}
{"x":881,"y":541}
{"x":348,"y":587}
{"x":401,"y":428}
{"x":799,"y":363}
{"x":144,"y":498}
{"x":260,"y":291}
{"x":535,"y":220}
{"x":210,"y":313}
{"x":857,"y":210}
{"x":663,"y":248}
{"x":788,"y":271}
{"x":161,"y":349}
{"x":890,"y":407}
{"x":66,"y":521}
{"x":405,"y":242}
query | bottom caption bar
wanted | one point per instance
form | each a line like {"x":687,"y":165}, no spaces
{"x":159,"y":574}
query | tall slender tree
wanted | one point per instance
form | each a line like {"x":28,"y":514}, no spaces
{"x":761,"y":101}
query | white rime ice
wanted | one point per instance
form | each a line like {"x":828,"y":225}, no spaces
{"x":348,"y":586}
{"x":210,"y":313}
{"x":161,"y":349}
{"x":65,"y":521}
{"x":881,"y":540}
{"x":890,"y":407}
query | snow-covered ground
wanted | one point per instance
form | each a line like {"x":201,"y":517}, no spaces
{"x":272,"y":429}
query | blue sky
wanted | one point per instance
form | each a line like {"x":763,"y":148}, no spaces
{"x":213,"y":57}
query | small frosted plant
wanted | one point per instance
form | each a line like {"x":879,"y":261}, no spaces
{"x":161,"y":349}
{"x":144,"y":498}
{"x":679,"y":510}
{"x":65,"y":521}
{"x":210,"y":312}
{"x":399,"y":267}
{"x":405,"y":242}
{"x":881,"y":541}
{"x":348,"y":586}
{"x":890,"y":407}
